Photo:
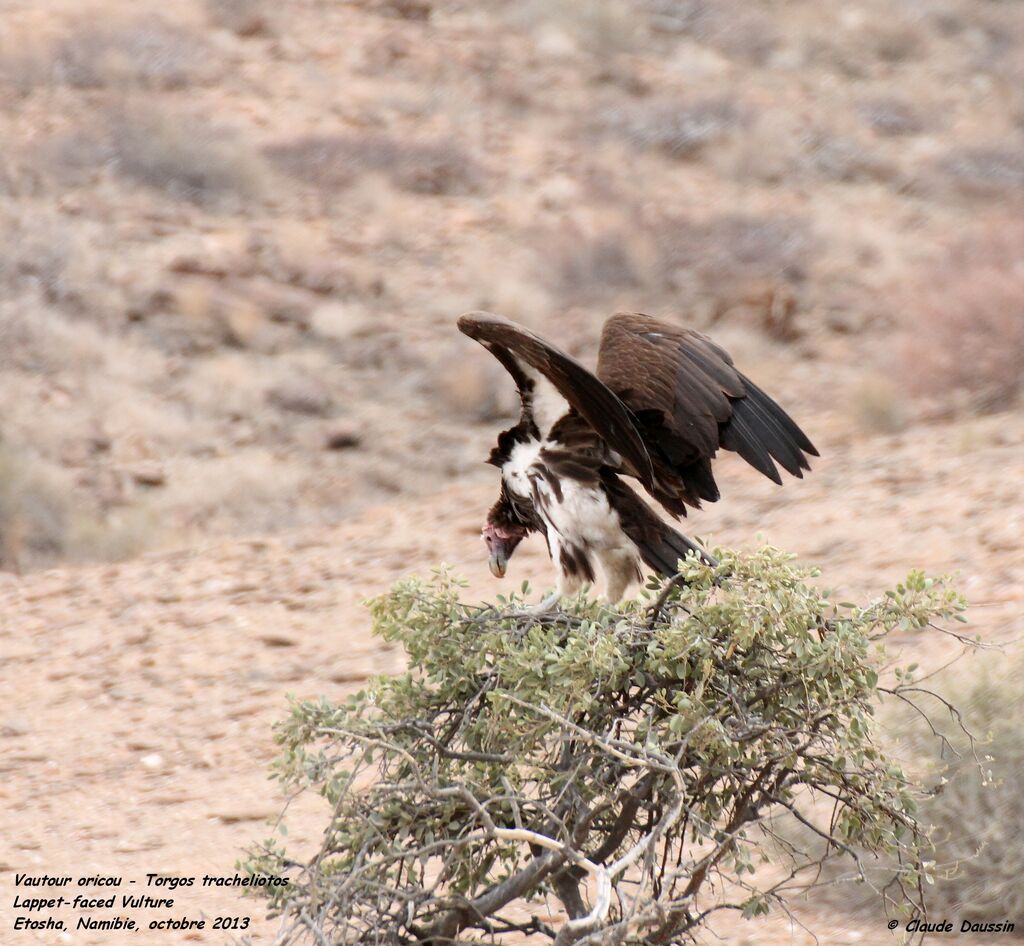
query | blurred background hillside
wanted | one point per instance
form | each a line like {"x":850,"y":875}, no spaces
{"x":234,"y":239}
{"x":235,"y":234}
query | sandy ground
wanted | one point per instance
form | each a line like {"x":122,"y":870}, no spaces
{"x":139,"y":698}
{"x":230,"y":261}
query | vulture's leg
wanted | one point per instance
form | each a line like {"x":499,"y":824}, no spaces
{"x":547,"y":604}
{"x":569,"y":583}
{"x":620,"y":569}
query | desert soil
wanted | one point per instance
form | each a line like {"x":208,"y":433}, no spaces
{"x":140,"y":697}
{"x":234,"y":238}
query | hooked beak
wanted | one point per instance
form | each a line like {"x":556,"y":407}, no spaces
{"x":498,"y":561}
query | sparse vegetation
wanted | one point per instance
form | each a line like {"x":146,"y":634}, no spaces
{"x":878,"y":406}
{"x":41,"y":524}
{"x":734,"y":248}
{"x":972,"y":810}
{"x":34,"y":512}
{"x":628,"y":763}
{"x":892,"y":117}
{"x":976,"y":818}
{"x":848,"y":160}
{"x":244,"y":17}
{"x":146,"y":51}
{"x":582,"y":269}
{"x":332,"y":163}
{"x":40,"y":257}
{"x":258,"y":180}
{"x":186,"y":158}
{"x":677,"y":130}
{"x":965,"y":326}
{"x":994,"y":172}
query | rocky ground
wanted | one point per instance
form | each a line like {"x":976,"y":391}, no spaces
{"x":137,"y":730}
{"x":236,"y":235}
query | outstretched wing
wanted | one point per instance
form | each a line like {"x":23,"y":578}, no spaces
{"x":689,"y":400}
{"x":551,"y":383}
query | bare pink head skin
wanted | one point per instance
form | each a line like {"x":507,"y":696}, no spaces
{"x":501,"y":542}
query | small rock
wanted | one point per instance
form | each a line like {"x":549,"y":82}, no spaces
{"x":342,"y":436}
{"x":407,"y":9}
{"x":282,"y":304}
{"x":301,"y":395}
{"x":555,"y":44}
{"x":153,"y":761}
{"x":559,"y":192}
{"x":277,"y":640}
{"x":340,"y":321}
{"x":149,"y":474}
{"x":349,"y":676}
{"x":236,"y":815}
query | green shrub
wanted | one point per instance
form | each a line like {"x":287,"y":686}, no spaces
{"x":630,"y":762}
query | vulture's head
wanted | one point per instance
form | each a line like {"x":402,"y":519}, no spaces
{"x":508,"y":523}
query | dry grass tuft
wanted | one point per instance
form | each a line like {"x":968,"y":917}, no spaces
{"x":975,"y":817}
{"x":678,"y":130}
{"x":966,"y":326}
{"x":34,"y":512}
{"x":892,"y":117}
{"x":892,"y":40}
{"x":245,"y":17}
{"x":734,"y":247}
{"x":182,"y":156}
{"x":38,"y":255}
{"x":331,"y":163}
{"x":147,"y":51}
{"x":847,"y":159}
{"x":25,"y":64}
{"x":978,"y":819}
{"x":729,"y":266}
{"x":877,"y":406}
{"x":985,"y":172}
{"x":591,"y":269}
{"x":188,"y":159}
{"x":740,"y":32}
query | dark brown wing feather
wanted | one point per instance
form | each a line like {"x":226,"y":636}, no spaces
{"x":690,"y":400}
{"x":515,"y":345}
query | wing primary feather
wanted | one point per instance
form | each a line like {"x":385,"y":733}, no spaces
{"x":775,"y":439}
{"x":739,"y":436}
{"x":787,"y":422}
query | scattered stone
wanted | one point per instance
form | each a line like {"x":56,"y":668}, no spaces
{"x":236,"y":815}
{"x":11,"y":728}
{"x":153,"y":761}
{"x":149,"y":474}
{"x":339,"y":321}
{"x":418,"y":10}
{"x":283,"y":304}
{"x":301,"y":395}
{"x":348,"y":676}
{"x":197,"y":266}
{"x":277,"y":640}
{"x":342,"y":436}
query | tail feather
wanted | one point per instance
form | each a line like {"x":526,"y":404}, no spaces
{"x":660,"y":546}
{"x":679,"y":546}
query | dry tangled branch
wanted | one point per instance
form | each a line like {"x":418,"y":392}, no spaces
{"x":629,"y":765}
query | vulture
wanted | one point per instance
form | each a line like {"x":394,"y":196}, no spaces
{"x":660,"y":404}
